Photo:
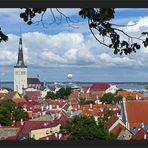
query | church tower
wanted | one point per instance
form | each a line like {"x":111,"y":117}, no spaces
{"x":20,"y":71}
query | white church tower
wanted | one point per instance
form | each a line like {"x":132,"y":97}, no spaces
{"x":20,"y":71}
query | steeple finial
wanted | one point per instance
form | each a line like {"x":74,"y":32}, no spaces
{"x":20,"y":40}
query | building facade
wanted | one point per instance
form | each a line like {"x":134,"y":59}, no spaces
{"x":20,"y":71}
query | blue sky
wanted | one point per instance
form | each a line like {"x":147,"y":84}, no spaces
{"x":57,"y":50}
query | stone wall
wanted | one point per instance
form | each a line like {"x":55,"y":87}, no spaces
{"x":7,"y":132}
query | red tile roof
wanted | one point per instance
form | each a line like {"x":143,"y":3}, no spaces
{"x":34,"y":95}
{"x":2,"y":94}
{"x":33,"y":125}
{"x":60,"y":102}
{"x":10,"y":95}
{"x":136,"y":111}
{"x":127,"y":93}
{"x":100,"y":87}
{"x":11,"y":138}
{"x":30,"y":103}
{"x":117,"y":129}
{"x":111,"y":121}
{"x":140,"y":135}
{"x":74,"y":94}
{"x":19,"y":100}
{"x":92,"y":113}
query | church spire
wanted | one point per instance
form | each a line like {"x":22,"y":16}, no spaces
{"x":20,"y":60}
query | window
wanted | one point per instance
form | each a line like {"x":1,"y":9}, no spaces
{"x":16,"y":72}
{"x":23,"y":73}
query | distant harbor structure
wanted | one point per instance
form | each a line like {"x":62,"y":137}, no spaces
{"x":69,"y":77}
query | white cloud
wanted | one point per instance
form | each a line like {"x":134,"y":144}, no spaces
{"x":73,"y":48}
{"x":106,"y":59}
{"x":141,"y":24}
{"x":62,"y":49}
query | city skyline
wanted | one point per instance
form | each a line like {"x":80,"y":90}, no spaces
{"x":47,"y":51}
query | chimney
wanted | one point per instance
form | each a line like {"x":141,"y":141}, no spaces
{"x":60,"y":135}
{"x":142,"y":125}
{"x":145,"y":136}
{"x":101,"y":109}
{"x":126,"y":125}
{"x":78,"y":106}
{"x":97,"y":97}
{"x":47,"y":107}
{"x":118,"y":115}
{"x":47,"y":138}
{"x":136,"y":97}
{"x":47,"y":132}
{"x":91,"y":106}
{"x":56,"y":135}
{"x":123,"y":99}
{"x":42,"y":108}
{"x":45,"y":124}
{"x":22,"y":122}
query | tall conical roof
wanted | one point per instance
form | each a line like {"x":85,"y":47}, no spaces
{"x":20,"y":60}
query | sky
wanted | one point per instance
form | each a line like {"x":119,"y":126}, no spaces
{"x":54,"y":50}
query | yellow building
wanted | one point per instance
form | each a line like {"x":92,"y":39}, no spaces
{"x":40,"y":133}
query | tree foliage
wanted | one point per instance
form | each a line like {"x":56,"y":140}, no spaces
{"x":130,"y":98}
{"x":86,"y":128}
{"x":100,"y":21}
{"x":83,"y":101}
{"x":100,"y":25}
{"x":110,"y":98}
{"x":146,"y":87}
{"x":9,"y":112}
{"x":63,"y":92}
{"x":3,"y":37}
{"x":51,"y":95}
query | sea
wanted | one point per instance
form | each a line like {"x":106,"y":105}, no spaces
{"x":135,"y":86}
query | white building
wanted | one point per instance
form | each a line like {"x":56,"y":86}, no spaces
{"x":20,"y":71}
{"x":112,"y":89}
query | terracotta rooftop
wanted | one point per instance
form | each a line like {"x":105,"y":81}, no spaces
{"x":118,"y":128}
{"x":10,"y":95}
{"x":141,"y":135}
{"x":74,"y":94}
{"x":33,"y":94}
{"x":33,"y":125}
{"x":137,"y":111}
{"x":127,"y":93}
{"x":102,"y":86}
{"x":19,"y":100}
{"x":111,"y":121}
{"x":60,"y":102}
